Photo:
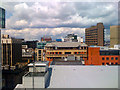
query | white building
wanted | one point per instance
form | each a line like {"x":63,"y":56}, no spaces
{"x":117,"y":46}
{"x":37,"y":77}
{"x":75,"y":76}
{"x":72,"y":76}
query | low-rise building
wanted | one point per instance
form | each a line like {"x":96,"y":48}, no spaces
{"x":27,"y":54}
{"x":103,"y":56}
{"x":65,"y":51}
{"x":70,"y":76}
{"x":40,"y":50}
{"x":37,"y":77}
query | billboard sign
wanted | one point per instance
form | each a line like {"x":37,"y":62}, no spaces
{"x":2,"y":18}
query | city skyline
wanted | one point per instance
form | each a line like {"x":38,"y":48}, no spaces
{"x":34,"y":20}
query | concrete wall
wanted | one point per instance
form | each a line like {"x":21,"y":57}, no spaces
{"x":114,"y":35}
{"x":38,"y":69}
{"x":39,"y":81}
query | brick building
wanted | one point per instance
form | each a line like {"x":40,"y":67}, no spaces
{"x":98,"y":56}
{"x":95,"y":35}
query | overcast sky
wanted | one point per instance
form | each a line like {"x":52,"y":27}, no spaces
{"x":33,"y":20}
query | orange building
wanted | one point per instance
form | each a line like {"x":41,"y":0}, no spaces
{"x":66,"y":51}
{"x":96,"y":56}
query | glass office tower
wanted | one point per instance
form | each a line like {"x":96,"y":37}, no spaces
{"x":2,"y":25}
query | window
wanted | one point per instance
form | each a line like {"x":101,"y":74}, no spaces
{"x":103,"y":58}
{"x":112,"y":64}
{"x":103,"y":64}
{"x":107,"y":63}
{"x":112,"y":58}
{"x":116,"y":58}
{"x":39,"y":51}
{"x":67,"y":52}
{"x":84,"y":47}
{"x":107,"y":58}
{"x":56,"y":53}
{"x":60,"y":52}
{"x":75,"y":52}
{"x":81,"y":47}
{"x":116,"y":63}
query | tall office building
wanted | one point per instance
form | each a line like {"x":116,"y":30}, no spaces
{"x":2,"y":25}
{"x":114,"y":35}
{"x":2,"y":18}
{"x":11,"y":51}
{"x":95,"y":35}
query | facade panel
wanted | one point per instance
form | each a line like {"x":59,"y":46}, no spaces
{"x":2,"y":18}
{"x":114,"y":35}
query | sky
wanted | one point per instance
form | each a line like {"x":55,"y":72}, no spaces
{"x":32,"y":20}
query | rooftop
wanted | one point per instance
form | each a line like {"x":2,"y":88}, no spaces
{"x":65,"y":44}
{"x":36,"y":74}
{"x":75,"y":76}
{"x":39,"y":63}
{"x":66,"y":62}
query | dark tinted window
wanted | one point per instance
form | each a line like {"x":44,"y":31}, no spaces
{"x":67,"y":52}
{"x":39,"y":51}
{"x":60,"y":52}
{"x":103,"y":64}
{"x":111,"y":63}
{"x":103,"y":58}
{"x":107,"y":58}
{"x":116,"y":58}
{"x":110,"y":52}
{"x":112,"y":58}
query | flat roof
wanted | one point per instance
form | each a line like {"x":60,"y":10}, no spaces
{"x":75,"y":76}
{"x":69,"y":62}
{"x":35,"y":74}
{"x":39,"y":63}
{"x":65,"y":44}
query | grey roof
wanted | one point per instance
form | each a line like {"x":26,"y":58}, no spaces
{"x":39,"y":63}
{"x":76,"y":76}
{"x":31,"y":74}
{"x":65,"y":44}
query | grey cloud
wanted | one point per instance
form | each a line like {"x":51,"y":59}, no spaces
{"x":58,"y":14}
{"x":56,"y":18}
{"x":35,"y":33}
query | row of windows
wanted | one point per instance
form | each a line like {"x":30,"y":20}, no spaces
{"x":110,"y":52}
{"x":79,"y":52}
{"x":109,"y":63}
{"x":66,"y":53}
{"x":54,"y":52}
{"x":112,"y":58}
{"x":41,"y":43}
{"x":67,"y":48}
